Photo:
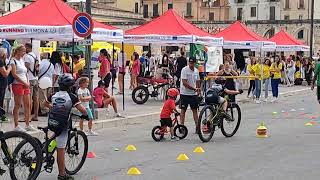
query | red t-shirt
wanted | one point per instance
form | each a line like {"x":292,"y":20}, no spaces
{"x":98,"y":94}
{"x":168,"y":108}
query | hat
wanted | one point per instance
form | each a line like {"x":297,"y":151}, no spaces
{"x":192,"y":59}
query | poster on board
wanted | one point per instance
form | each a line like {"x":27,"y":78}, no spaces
{"x":215,"y":58}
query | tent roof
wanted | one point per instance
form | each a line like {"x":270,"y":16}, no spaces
{"x":45,"y":13}
{"x":283,"y":38}
{"x":169,"y":23}
{"x":239,"y":32}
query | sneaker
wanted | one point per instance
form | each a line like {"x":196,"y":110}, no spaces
{"x":257,"y":101}
{"x":30,"y":128}
{"x":91,"y":133}
{"x":118,"y":115}
{"x":174,"y":138}
{"x":4,"y":119}
{"x":19,"y":128}
{"x":65,"y":177}
{"x":274,"y":99}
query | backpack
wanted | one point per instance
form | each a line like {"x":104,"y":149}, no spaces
{"x":58,"y":120}
{"x":35,"y":71}
{"x":10,"y":76}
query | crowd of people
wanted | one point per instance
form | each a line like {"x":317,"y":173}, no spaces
{"x":22,"y":74}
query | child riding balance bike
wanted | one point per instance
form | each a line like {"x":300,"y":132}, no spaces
{"x":177,"y":131}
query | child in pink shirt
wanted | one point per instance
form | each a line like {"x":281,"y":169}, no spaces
{"x":103,"y":99}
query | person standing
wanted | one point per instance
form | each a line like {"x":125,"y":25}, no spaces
{"x":291,"y":70}
{"x":275,"y":70}
{"x":114,"y":67}
{"x":58,"y":70}
{"x":266,"y":78}
{"x":257,"y":69}
{"x":316,"y":78}
{"x":122,"y":58}
{"x":135,"y":70}
{"x":104,"y":71}
{"x":32,"y":64}
{"x":230,"y":84}
{"x":46,"y":70}
{"x":180,"y":64}
{"x":20,"y":88}
{"x":251,"y":73}
{"x":189,"y":90}
{"x":4,"y":72}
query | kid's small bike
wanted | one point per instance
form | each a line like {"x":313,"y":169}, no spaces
{"x":179,"y":130}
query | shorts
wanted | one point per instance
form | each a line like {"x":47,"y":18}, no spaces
{"x":62,"y":139}
{"x":34,"y":88}
{"x":89,"y":112}
{"x":114,"y":73}
{"x":122,"y":70}
{"x":186,"y":100}
{"x":107,"y":80}
{"x":215,"y":99}
{"x":166,"y":122}
{"x":20,"y":90}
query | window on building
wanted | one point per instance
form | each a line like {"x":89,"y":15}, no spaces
{"x":287,"y":4}
{"x":155,"y":10}
{"x":272,"y":13}
{"x":300,"y":16}
{"x":189,"y":9}
{"x":211,"y":16}
{"x":136,"y":8}
{"x":145,"y":11}
{"x":253,"y":12}
{"x":301,"y":4}
{"x":286,"y":17}
{"x":239,"y":1}
{"x":216,"y":3}
{"x":170,"y":6}
{"x":239,"y":14}
{"x":301,"y":34}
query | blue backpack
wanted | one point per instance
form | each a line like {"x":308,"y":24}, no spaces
{"x":10,"y":76}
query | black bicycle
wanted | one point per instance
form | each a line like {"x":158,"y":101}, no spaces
{"x":212,"y":116}
{"x":18,"y":163}
{"x":75,"y":153}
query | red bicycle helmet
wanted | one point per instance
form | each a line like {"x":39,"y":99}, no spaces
{"x":173,"y":92}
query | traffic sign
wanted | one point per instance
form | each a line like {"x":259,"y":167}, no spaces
{"x":82,"y":25}
{"x":85,"y":42}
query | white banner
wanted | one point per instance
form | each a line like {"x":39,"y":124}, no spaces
{"x":215,"y":58}
{"x":58,"y":33}
{"x":253,"y":45}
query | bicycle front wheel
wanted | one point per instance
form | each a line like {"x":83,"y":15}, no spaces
{"x":206,"y":125}
{"x":76,"y":152}
{"x":25,"y":156}
{"x":229,"y":127}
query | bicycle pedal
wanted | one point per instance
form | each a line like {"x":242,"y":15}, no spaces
{"x":48,"y":169}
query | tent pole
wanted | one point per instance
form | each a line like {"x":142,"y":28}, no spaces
{"x":112,"y":67}
{"x":123,"y":69}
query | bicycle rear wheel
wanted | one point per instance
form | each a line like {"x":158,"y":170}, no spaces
{"x":26,"y":156}
{"x":76,"y":152}
{"x":156,"y":133}
{"x":205,"y":124}
{"x":229,"y":127}
{"x":140,"y":95}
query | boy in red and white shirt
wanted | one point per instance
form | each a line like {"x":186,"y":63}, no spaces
{"x":168,"y":108}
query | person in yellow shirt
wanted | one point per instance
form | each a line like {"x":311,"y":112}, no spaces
{"x":78,"y":64}
{"x":258,"y":73}
{"x":275,"y":70}
{"x":251,"y":73}
{"x":266,"y":77}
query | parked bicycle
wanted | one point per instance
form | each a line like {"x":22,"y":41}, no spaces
{"x":18,"y":163}
{"x":75,"y":153}
{"x":180,"y":131}
{"x":211,"y":117}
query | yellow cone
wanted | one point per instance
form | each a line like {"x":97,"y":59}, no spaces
{"x":198,"y":150}
{"x":274,"y":113}
{"x":182,"y":157}
{"x":133,"y":171}
{"x":131,"y":148}
{"x":308,"y":124}
{"x":262,"y":131}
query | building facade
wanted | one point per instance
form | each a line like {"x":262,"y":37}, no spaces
{"x":192,"y":10}
{"x":254,"y":10}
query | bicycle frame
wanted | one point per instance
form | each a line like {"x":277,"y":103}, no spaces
{"x":7,"y":154}
{"x":175,"y":122}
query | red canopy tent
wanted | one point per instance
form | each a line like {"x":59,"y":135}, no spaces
{"x":285,"y":42}
{"x":50,"y":20}
{"x":170,"y":28}
{"x":238,"y":36}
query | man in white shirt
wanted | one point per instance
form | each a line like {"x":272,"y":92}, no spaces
{"x":46,"y":70}
{"x":189,"y":90}
{"x":32,"y":64}
{"x":122,"y":70}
